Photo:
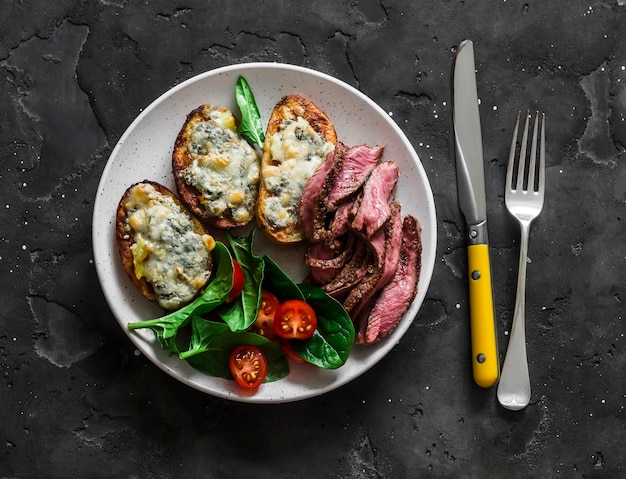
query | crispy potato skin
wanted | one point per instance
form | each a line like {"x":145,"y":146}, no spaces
{"x":181,"y":159}
{"x":125,"y":237}
{"x":290,"y":106}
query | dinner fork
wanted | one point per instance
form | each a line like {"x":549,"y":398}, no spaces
{"x":524,"y":192}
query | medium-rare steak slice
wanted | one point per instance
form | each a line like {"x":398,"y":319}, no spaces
{"x":324,"y":263}
{"x":352,"y":273}
{"x":386,"y":242}
{"x":393,"y":242}
{"x":311,"y":193}
{"x":397,"y":296}
{"x":359,"y":162}
{"x":339,"y":224}
{"x":372,"y":209}
{"x":315,"y":206}
{"x":359,"y":294}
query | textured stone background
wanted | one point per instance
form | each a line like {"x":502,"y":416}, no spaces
{"x":76,"y":400}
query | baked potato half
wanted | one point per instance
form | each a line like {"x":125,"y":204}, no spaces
{"x":298,"y":137}
{"x":215,"y":170}
{"x":165,"y":251}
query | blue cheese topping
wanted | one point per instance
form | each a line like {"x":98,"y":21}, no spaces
{"x":225,"y":168}
{"x":296,"y":150}
{"x":166,"y":250}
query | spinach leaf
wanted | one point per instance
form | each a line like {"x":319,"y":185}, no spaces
{"x":202,"y":333}
{"x":212,"y":344}
{"x":166,"y":327}
{"x":276,"y":281}
{"x":251,"y":126}
{"x":332,"y":342}
{"x":241,"y":313}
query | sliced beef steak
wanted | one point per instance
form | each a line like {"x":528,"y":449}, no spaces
{"x":351,"y":274}
{"x":340,"y":221}
{"x":397,"y":296}
{"x":359,"y":162}
{"x":361,"y":251}
{"x":386,"y":243}
{"x":326,"y":263}
{"x":372,"y":210}
{"x":311,"y":193}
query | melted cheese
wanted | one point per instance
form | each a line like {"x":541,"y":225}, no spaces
{"x":167,"y":252}
{"x":225,"y":168}
{"x":297,"y":150}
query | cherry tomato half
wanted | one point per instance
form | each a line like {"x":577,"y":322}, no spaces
{"x":238,"y":281}
{"x":248,"y":366}
{"x":264,"y":323}
{"x":295,"y":319}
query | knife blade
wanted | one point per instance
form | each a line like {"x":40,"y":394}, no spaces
{"x":473,"y":205}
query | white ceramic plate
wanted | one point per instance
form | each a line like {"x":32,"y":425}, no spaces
{"x":144,"y":152}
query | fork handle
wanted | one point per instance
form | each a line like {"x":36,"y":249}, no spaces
{"x":485,"y":362}
{"x":514,"y":387}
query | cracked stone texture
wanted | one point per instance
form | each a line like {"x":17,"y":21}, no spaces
{"x":77,"y":401}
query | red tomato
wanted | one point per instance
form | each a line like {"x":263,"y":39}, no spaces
{"x":295,"y":319}
{"x":237,"y":283}
{"x":248,"y":366}
{"x":264,"y":323}
{"x":289,"y":352}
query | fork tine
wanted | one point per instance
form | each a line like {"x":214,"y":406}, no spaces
{"x":542,"y":156}
{"x":511,"y":164}
{"x":530,"y":185}
{"x":521,"y":169}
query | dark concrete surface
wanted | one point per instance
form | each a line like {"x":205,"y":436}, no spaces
{"x":77,"y":400}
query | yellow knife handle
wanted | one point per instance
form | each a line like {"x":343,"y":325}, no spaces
{"x":485,"y":361}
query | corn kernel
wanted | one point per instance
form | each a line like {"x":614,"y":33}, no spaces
{"x":209,"y":242}
{"x":236,"y":197}
{"x":138,"y":220}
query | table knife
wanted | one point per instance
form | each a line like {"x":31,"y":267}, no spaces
{"x":473,"y":204}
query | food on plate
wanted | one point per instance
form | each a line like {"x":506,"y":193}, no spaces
{"x":361,"y":250}
{"x":373,"y":207}
{"x":165,"y":251}
{"x":238,"y":283}
{"x":321,"y":333}
{"x":295,"y":319}
{"x":251,"y":126}
{"x":298,"y":138}
{"x":215,"y":170}
{"x":237,"y":315}
{"x":289,"y":352}
{"x":338,"y":179}
{"x":396,"y":297}
{"x":248,"y":366}
{"x":264,"y":322}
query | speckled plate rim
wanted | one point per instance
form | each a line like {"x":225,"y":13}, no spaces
{"x":144,"y":152}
